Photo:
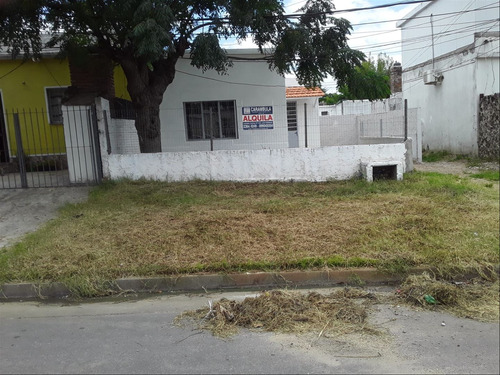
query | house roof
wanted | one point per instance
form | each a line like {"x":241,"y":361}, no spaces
{"x":303,"y":92}
{"x":413,"y":13}
{"x":5,"y":53}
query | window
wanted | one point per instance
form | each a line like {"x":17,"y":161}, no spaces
{"x":210,"y":120}
{"x":291,"y":116}
{"x":54,"y":101}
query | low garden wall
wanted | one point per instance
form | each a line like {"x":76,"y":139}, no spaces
{"x":297,"y":164}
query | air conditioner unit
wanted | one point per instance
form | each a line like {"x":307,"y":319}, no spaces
{"x":429,"y":77}
{"x":432,"y":78}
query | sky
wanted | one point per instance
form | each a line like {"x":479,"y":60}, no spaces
{"x":371,"y":39}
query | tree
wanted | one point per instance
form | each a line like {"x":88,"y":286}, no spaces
{"x":147,"y":37}
{"x":370,"y":80}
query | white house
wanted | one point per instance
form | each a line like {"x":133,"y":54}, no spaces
{"x":245,"y":109}
{"x":245,"y":125}
{"x":450,"y":57}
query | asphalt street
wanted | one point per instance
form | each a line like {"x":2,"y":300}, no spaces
{"x":137,"y":335}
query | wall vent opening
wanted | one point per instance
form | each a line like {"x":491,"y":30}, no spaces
{"x":385,"y":172}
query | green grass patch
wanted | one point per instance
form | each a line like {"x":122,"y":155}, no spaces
{"x":437,"y":156}
{"x":489,"y":175}
{"x":147,"y":229}
{"x":434,"y":156}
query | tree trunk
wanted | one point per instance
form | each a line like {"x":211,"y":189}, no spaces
{"x":146,"y":87}
{"x":147,"y":124}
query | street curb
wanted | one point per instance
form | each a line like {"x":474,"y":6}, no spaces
{"x":203,"y":283}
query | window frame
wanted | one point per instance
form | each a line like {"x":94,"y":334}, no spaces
{"x":48,"y":106}
{"x":295,"y":114}
{"x":204,"y":136}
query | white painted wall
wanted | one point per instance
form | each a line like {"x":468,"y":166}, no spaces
{"x":455,"y":22}
{"x":78,"y":138}
{"x":298,"y":164}
{"x":488,"y":70}
{"x":363,"y":107}
{"x":387,"y":127}
{"x":249,"y":83}
{"x":122,"y":134}
{"x":448,"y":112}
{"x":308,"y":108}
{"x":339,"y":130}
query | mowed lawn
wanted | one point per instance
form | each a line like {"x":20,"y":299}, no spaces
{"x":149,"y":228}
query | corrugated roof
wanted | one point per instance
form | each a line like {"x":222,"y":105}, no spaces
{"x":303,"y":92}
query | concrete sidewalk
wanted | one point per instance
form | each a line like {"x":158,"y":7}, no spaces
{"x":25,"y":210}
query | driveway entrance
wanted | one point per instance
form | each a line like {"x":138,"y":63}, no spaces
{"x":24,"y":210}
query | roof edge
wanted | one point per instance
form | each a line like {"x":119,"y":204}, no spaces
{"x":315,"y":92}
{"x":413,"y":13}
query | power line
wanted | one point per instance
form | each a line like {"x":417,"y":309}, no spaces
{"x":424,"y":50}
{"x":229,"y":83}
{"x":455,"y":66}
{"x":13,"y":70}
{"x":427,"y":37}
{"x":380,"y":32}
{"x":294,"y":15}
{"x":448,"y":14}
{"x":326,"y":13}
{"x":422,"y":38}
{"x":486,"y":7}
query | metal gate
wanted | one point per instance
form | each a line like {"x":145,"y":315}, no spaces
{"x":40,"y":154}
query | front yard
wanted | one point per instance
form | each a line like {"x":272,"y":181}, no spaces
{"x":150,"y":228}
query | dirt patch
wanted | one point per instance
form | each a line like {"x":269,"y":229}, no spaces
{"x":457,"y":167}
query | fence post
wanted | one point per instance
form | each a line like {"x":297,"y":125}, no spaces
{"x":20,"y":151}
{"x":95,"y":145}
{"x":305,"y":124}
{"x":406,"y":120}
{"x":106,"y":130}
{"x":211,"y":131}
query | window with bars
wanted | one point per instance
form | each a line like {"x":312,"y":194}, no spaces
{"x":291,"y":115}
{"x":210,"y":120}
{"x":54,"y":104}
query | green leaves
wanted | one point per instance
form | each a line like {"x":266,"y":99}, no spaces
{"x":370,"y":80}
{"x":315,"y":46}
{"x":151,"y":33}
{"x":147,"y":37}
{"x":206,"y":53}
{"x":21,"y":23}
{"x":312,"y":44}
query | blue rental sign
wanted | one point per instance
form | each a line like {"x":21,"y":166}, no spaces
{"x":259,"y":117}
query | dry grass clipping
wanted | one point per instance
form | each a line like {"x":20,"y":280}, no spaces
{"x":343,"y":311}
{"x":476,"y":299}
